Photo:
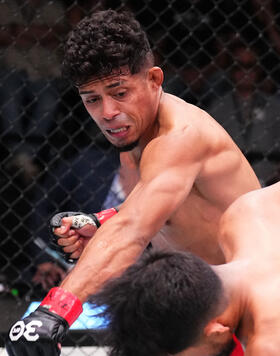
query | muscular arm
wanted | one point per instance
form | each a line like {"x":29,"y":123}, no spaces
{"x":168,"y":169}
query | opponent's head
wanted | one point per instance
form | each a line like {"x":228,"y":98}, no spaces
{"x":164,"y":304}
{"x":109,"y":59}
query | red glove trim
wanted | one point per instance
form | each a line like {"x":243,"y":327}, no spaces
{"x":238,"y":350}
{"x":104,"y":215}
{"x":63,"y":303}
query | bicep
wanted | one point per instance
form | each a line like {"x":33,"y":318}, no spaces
{"x":159,"y":193}
{"x":168,"y":169}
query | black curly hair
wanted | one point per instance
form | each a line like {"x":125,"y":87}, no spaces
{"x":104,"y":42}
{"x":159,"y":305}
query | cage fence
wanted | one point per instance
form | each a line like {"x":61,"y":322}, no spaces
{"x":220,"y":55}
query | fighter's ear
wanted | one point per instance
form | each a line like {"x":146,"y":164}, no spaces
{"x":217,"y":332}
{"x":155,"y":74}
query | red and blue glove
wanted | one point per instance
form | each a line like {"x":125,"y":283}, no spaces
{"x":41,"y":333}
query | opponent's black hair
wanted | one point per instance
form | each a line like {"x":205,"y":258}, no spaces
{"x":103,"y":42}
{"x":160,"y":304}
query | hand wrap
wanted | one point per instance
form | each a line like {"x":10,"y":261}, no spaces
{"x":39,"y":333}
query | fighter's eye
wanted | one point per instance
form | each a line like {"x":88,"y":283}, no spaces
{"x":121,"y":94}
{"x":91,"y":100}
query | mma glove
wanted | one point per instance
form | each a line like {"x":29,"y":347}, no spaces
{"x":40,"y":333}
{"x":80,"y":219}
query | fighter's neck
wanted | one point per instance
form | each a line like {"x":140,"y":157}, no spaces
{"x":151,"y":133}
{"x":234,"y":285}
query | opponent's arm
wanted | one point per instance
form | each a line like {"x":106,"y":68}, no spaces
{"x":167,"y":176}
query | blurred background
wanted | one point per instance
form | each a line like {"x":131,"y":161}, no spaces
{"x":220,"y":55}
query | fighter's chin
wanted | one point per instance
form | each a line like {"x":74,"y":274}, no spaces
{"x":128,"y":147}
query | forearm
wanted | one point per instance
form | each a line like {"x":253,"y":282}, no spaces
{"x":116,"y":245}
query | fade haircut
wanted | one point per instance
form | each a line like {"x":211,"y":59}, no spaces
{"x":159,"y":305}
{"x":103,"y":43}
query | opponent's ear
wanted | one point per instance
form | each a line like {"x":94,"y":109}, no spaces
{"x":218,"y":332}
{"x":155,"y":74}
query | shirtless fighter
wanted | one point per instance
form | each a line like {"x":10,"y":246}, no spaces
{"x":189,"y":171}
{"x":175,"y":303}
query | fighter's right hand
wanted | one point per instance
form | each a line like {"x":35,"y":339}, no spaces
{"x":71,"y":231}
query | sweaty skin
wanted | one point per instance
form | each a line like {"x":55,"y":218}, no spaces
{"x":250,"y":239}
{"x":189,"y":172}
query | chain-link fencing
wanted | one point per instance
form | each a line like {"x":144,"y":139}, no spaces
{"x":220,"y":55}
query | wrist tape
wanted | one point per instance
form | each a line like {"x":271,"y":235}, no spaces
{"x":96,"y":219}
{"x":104,"y":215}
{"x":63,"y":303}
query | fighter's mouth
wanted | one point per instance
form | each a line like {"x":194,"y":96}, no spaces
{"x":115,"y":131}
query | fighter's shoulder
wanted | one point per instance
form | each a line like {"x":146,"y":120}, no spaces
{"x":179,"y":113}
{"x":245,"y":205}
{"x":179,"y":141}
{"x":258,"y":198}
{"x":263,"y":202}
{"x":261,"y":345}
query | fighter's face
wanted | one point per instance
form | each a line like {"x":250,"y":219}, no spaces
{"x":122,"y":105}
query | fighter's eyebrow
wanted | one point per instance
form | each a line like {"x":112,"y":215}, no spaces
{"x":86,"y":92}
{"x":110,"y":86}
{"x":114,"y":85}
